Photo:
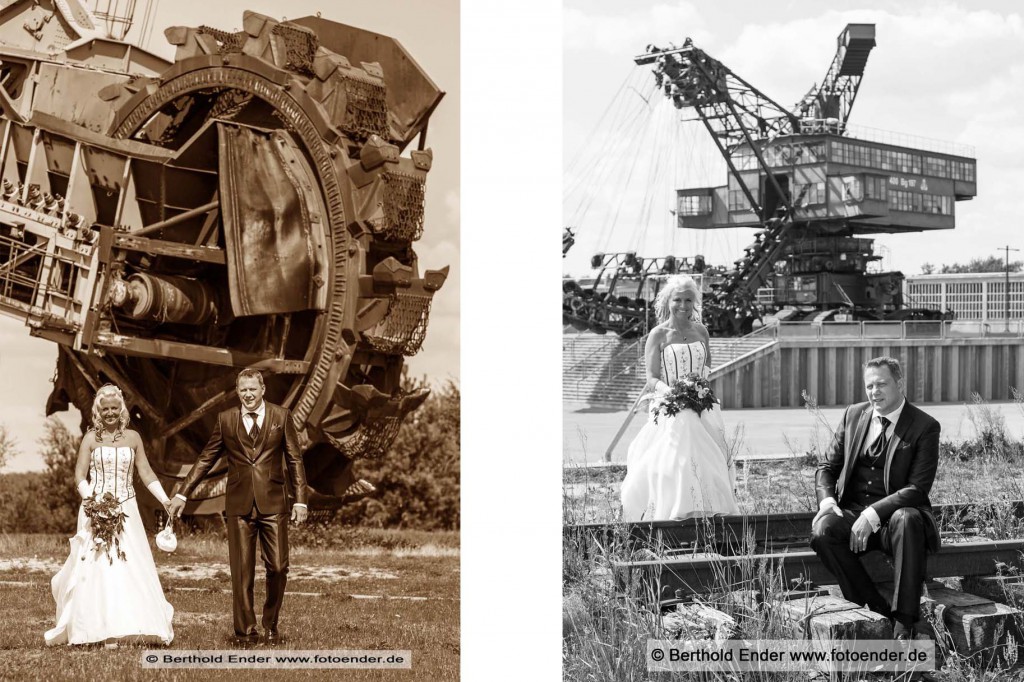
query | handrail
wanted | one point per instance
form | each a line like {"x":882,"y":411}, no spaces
{"x":767,"y":330}
{"x":720,"y":369}
{"x":859,"y":329}
{"x":773,"y":329}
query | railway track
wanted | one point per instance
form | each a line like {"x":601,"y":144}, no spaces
{"x":679,"y":576}
{"x":734,"y":533}
{"x":686,"y":570}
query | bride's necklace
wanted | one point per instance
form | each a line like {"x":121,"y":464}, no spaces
{"x":101,"y":436}
{"x":680,"y":332}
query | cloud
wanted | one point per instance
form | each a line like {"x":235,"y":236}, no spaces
{"x":452,"y":204}
{"x":630,"y":32}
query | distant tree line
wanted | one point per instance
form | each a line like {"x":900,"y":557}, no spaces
{"x":417,"y":480}
{"x":990,"y":264}
{"x":47,"y":501}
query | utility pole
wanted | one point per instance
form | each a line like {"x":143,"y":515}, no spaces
{"x":1006,"y":291}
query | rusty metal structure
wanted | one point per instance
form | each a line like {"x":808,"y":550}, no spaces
{"x":810,"y":185}
{"x":255,"y":203}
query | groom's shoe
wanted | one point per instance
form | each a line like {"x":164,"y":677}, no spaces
{"x":272,"y":638}
{"x":250,"y":639}
{"x":902,"y":632}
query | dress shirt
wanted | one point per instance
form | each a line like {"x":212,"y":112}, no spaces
{"x":874,"y":431}
{"x":261,"y":413}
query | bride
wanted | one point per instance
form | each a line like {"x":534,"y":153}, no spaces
{"x":677,"y":468}
{"x":101,"y":599}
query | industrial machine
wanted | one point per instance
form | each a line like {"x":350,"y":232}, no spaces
{"x":255,"y":203}
{"x":808,"y":185}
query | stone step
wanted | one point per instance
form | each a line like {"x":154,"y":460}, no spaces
{"x":588,"y":361}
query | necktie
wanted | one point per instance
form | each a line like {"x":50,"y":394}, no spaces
{"x":254,"y":430}
{"x":881,"y":443}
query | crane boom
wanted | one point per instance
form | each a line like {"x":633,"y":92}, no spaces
{"x":834,"y":99}
{"x":737,"y":115}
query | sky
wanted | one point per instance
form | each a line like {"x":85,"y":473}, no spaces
{"x":940,"y":70}
{"x":430,"y":33}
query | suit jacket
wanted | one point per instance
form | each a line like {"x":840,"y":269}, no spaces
{"x":910,"y":464}
{"x":255,"y":470}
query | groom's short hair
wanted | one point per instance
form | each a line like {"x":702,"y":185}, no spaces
{"x":249,"y":373}
{"x":885,"y":361}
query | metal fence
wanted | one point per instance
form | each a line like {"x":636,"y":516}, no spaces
{"x":897,"y":331}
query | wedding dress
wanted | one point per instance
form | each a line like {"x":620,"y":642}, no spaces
{"x":676,"y":468}
{"x":96,"y":599}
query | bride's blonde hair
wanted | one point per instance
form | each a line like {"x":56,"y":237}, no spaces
{"x":109,"y":391}
{"x":672,"y":285}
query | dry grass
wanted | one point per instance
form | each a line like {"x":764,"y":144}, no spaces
{"x":605,"y":633}
{"x":986,"y":470}
{"x":402,"y":595}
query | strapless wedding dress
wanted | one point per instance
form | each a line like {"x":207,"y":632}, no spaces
{"x":96,"y":599}
{"x":676,"y":468}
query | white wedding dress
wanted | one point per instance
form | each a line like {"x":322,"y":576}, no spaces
{"x":96,"y":599}
{"x":677,"y":469}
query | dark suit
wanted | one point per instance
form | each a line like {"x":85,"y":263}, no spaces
{"x":255,"y":503}
{"x":899,"y":495}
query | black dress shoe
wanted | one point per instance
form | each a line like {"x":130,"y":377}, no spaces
{"x":272,"y":638}
{"x":901,"y":632}
{"x":246,"y":640}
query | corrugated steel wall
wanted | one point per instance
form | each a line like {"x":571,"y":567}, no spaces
{"x":947,"y":370}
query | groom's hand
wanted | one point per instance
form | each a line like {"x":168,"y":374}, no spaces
{"x":176,"y":506}
{"x":859,"y":534}
{"x":829,"y":506}
{"x":299,"y":514}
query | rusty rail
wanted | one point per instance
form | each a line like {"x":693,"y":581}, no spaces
{"x":723,"y":534}
{"x":675,"y":578}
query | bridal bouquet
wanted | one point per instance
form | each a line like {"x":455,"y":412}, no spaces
{"x":692,"y":392}
{"x":107,"y":521}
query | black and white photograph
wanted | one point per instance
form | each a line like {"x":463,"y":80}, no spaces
{"x":792,"y":337}
{"x":230,"y":339}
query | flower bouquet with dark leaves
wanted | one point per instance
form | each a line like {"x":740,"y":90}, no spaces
{"x":107,"y":521}
{"x":691,"y":392}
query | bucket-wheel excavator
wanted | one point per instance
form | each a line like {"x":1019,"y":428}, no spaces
{"x":254,"y":203}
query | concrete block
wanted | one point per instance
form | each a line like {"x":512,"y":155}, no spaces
{"x":828,"y":617}
{"x":974,"y":625}
{"x":698,"y":621}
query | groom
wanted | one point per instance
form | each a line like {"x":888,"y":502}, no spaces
{"x":873,"y":494}
{"x":259,"y":440}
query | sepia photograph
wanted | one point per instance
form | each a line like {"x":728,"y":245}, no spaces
{"x":792,"y":340}
{"x":230,"y":339}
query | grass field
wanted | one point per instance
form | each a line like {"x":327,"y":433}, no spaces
{"x":385,"y":590}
